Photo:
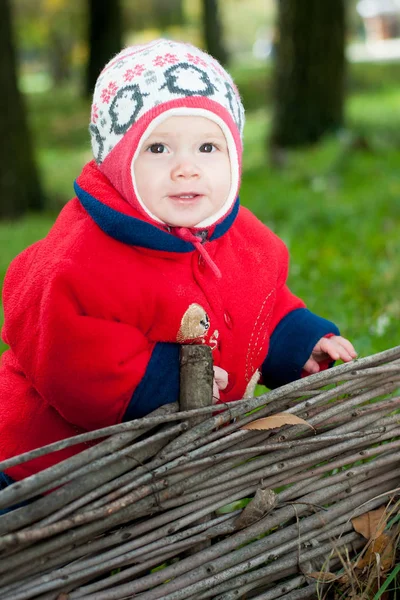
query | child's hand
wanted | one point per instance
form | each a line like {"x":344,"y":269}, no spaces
{"x":335,"y":348}
{"x":220,"y":382}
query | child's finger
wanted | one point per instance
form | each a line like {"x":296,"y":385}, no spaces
{"x":330,"y":347}
{"x":220,"y":377}
{"x":338,"y":348}
{"x":311,"y":366}
{"x":348,"y":346}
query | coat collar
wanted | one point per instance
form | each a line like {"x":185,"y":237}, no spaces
{"x":122,"y":222}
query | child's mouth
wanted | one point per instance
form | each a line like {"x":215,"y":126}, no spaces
{"x":185,"y":197}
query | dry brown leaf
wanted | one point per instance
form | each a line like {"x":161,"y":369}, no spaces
{"x":276,"y":421}
{"x":262,"y":503}
{"x":371,"y":524}
{"x":381,"y":549}
{"x":323,"y":577}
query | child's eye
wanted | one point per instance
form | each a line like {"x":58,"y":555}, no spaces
{"x":207,"y":148}
{"x":157,"y":148}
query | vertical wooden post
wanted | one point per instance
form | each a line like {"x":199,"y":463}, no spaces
{"x":196,"y":379}
{"x":196,"y":391}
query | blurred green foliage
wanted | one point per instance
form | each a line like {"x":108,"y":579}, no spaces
{"x":336,"y":205}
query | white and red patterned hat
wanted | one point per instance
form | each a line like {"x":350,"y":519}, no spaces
{"x":142,"y":86}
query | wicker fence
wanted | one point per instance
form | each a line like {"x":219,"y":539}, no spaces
{"x":152,"y":510}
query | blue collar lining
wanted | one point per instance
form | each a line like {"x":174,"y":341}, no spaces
{"x":140,"y":233}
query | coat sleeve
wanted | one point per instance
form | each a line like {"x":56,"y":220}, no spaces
{"x":93,"y":369}
{"x":294,"y":332}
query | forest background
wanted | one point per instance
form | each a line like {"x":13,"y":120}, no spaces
{"x":335,"y":201}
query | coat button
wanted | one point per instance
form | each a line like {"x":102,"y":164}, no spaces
{"x":228,"y":320}
{"x":201,"y":262}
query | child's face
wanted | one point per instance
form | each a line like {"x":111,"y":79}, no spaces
{"x":183,"y":172}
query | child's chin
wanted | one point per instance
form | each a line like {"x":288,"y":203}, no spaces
{"x":188,"y":222}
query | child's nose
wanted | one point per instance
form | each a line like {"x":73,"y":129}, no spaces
{"x":185,"y":168}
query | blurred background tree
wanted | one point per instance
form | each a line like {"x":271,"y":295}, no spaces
{"x":309,"y":74}
{"x":106,"y":28}
{"x":20,"y":190}
{"x":104,"y":37}
{"x":212,"y":31}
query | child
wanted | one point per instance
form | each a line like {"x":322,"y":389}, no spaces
{"x":153,"y":252}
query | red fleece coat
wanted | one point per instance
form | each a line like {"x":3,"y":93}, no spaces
{"x":84,"y":312}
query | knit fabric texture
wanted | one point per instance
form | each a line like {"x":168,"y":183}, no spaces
{"x":141,"y":78}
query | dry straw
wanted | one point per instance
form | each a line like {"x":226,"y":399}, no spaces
{"x":150,"y":493}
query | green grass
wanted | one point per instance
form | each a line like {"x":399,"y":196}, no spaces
{"x":389,"y":581}
{"x":336,"y":205}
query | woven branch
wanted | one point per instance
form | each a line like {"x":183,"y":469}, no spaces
{"x":134,"y":500}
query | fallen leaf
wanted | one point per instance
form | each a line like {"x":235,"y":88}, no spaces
{"x":381,"y":552}
{"x":276,"y":421}
{"x":371,"y":524}
{"x":323,"y":577}
{"x":262,"y":503}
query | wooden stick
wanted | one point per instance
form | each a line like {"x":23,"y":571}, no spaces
{"x":196,"y":379}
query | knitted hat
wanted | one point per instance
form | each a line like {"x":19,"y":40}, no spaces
{"x":142,"y":86}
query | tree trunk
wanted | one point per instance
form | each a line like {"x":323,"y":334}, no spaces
{"x":20,"y":189}
{"x":104,"y":37}
{"x":309,"y":71}
{"x":59,"y":58}
{"x":212,"y":31}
